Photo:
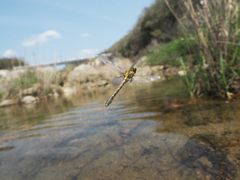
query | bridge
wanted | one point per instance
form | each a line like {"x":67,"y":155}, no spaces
{"x":73,"y":61}
{"x":52,"y":64}
{"x":65,"y":62}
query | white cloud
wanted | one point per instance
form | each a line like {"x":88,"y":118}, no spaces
{"x":9,"y":53}
{"x":41,"y":38}
{"x":85,"y":35}
{"x":84,"y":53}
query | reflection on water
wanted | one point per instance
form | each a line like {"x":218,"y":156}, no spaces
{"x":147,"y":133}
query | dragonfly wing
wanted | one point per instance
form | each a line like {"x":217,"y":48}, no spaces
{"x":109,"y":63}
{"x":135,"y":63}
{"x":118,"y":80}
{"x":145,"y":79}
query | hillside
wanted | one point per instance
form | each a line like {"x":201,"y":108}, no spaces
{"x":156,"y":25}
{"x":203,"y":35}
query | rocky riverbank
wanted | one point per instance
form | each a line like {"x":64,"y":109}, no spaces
{"x":49,"y":84}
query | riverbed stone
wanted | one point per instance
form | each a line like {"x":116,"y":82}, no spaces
{"x":7,"y":102}
{"x":29,"y":99}
{"x":181,"y":73}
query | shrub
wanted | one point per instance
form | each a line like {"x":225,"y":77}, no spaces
{"x":40,"y":79}
{"x":10,"y":63}
{"x":168,"y":54}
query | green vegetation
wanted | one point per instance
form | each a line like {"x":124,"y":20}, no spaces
{"x":25,"y":80}
{"x":203,"y":34}
{"x":169,"y":53}
{"x":10,"y":63}
{"x":203,"y":39}
{"x":158,"y":35}
{"x":156,"y":25}
{"x":33,"y":82}
{"x":215,"y":28}
{"x":189,"y":80}
{"x":1,"y":95}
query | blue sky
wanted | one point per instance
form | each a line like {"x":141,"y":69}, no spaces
{"x":43,"y":31}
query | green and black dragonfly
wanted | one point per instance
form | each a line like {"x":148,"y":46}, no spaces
{"x":128,"y":75}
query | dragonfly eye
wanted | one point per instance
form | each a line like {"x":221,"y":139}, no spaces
{"x":134,"y":70}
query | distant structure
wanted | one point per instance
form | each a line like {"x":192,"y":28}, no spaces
{"x":65,"y":62}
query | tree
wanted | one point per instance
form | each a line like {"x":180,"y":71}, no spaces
{"x":10,"y":63}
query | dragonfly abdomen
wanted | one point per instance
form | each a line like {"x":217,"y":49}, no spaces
{"x":109,"y":101}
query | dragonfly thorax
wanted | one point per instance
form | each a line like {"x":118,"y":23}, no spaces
{"x":130,"y":73}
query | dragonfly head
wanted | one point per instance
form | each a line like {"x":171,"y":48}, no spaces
{"x":133,"y":70}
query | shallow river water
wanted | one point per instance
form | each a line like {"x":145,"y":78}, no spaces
{"x":150,"y":132}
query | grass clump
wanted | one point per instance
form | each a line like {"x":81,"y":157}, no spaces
{"x":25,"y":80}
{"x":1,"y":95}
{"x":38,"y":82}
{"x":214,"y":27}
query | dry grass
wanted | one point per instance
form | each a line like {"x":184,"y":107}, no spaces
{"x":42,"y":81}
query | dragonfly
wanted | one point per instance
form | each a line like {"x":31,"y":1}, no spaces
{"x":128,"y":75}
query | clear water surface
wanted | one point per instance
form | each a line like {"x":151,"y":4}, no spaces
{"x":150,"y":132}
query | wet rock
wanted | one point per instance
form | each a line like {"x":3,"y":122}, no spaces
{"x":29,"y":99}
{"x":7,"y":102}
